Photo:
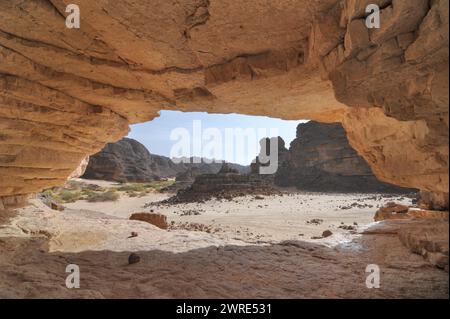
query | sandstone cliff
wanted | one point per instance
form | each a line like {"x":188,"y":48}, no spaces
{"x":65,"y":93}
{"x":124,"y":161}
{"x":321,"y":159}
{"x":129,"y":161}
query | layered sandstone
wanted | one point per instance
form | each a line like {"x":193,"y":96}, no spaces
{"x":321,"y":159}
{"x":225,"y":184}
{"x":125,"y":161}
{"x":65,"y":93}
{"x":130,"y":161}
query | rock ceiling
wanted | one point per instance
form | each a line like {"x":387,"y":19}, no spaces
{"x":64,"y":93}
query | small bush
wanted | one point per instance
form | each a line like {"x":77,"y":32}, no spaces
{"x":68,"y":196}
{"x":158,"y":185}
{"x":88,"y":192}
{"x":108,"y":196}
{"x":132,"y":188}
{"x":132,"y":194}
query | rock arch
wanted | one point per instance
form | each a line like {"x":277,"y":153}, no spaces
{"x":64,"y":93}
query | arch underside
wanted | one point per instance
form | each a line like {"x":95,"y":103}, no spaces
{"x":64,"y":93}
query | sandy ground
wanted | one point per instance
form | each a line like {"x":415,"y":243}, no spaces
{"x":269,"y":260}
{"x":270,"y":220}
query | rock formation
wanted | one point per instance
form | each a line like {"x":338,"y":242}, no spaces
{"x":266,"y":146}
{"x":81,"y":169}
{"x":129,"y":161}
{"x":158,"y":220}
{"x":125,"y":161}
{"x":225,"y":184}
{"x":321,"y":159}
{"x":65,"y":93}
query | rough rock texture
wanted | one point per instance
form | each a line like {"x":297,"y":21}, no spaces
{"x":158,"y":220}
{"x":434,"y":201}
{"x":321,"y":159}
{"x":398,"y":211}
{"x":125,"y":161}
{"x":64,"y":93}
{"x":225,"y":184}
{"x":38,"y":243}
{"x":129,"y":161}
{"x":81,"y":169}
{"x":266,"y":146}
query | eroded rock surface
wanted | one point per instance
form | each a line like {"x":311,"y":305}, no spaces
{"x":65,"y":93}
{"x":125,"y":161}
{"x":38,"y":243}
{"x":129,"y":161}
{"x":321,"y":159}
{"x":225,"y":184}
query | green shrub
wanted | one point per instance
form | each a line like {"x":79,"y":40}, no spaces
{"x":68,"y":196}
{"x":108,"y":196}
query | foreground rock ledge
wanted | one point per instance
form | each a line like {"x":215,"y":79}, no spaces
{"x":64,"y":93}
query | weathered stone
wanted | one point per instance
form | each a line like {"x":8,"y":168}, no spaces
{"x":356,"y":9}
{"x":401,"y":17}
{"x":158,"y":220}
{"x":226,"y":184}
{"x":81,"y":169}
{"x":65,"y":93}
{"x":56,"y":206}
{"x":326,"y":233}
{"x":356,"y":38}
{"x":434,"y":201}
{"x":321,"y":159}
{"x":133,"y":258}
{"x":129,"y":161}
{"x":429,"y":240}
{"x":124,"y":161}
{"x":391,"y":211}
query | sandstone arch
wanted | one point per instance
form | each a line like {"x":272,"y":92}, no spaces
{"x":64,"y":92}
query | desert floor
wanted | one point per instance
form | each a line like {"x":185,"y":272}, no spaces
{"x":248,"y":247}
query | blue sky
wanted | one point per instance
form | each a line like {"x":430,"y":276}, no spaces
{"x":214,"y":130}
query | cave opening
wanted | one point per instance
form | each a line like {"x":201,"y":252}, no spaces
{"x":254,"y":195}
{"x":251,"y":178}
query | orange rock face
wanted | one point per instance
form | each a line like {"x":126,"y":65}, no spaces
{"x":64,"y":93}
{"x":158,"y":220}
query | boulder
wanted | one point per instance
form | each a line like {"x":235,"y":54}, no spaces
{"x":158,"y":220}
{"x":327,"y":233}
{"x":133,"y":258}
{"x":392,"y":211}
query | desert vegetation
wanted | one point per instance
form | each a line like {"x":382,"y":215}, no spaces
{"x":75,"y":190}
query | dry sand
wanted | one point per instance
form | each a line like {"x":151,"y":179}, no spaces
{"x":268,"y":220}
{"x":256,"y":251}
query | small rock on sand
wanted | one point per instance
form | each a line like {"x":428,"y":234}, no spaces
{"x":327,"y":233}
{"x":133,"y":258}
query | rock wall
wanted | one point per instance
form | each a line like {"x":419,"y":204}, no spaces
{"x":129,"y":161}
{"x":65,"y":93}
{"x":124,"y":161}
{"x":320,"y":158}
{"x":266,"y":145}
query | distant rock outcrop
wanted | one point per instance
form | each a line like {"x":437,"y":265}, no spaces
{"x":225,"y":184}
{"x":129,"y":161}
{"x":321,"y":159}
{"x":124,"y":161}
{"x":262,"y":160}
